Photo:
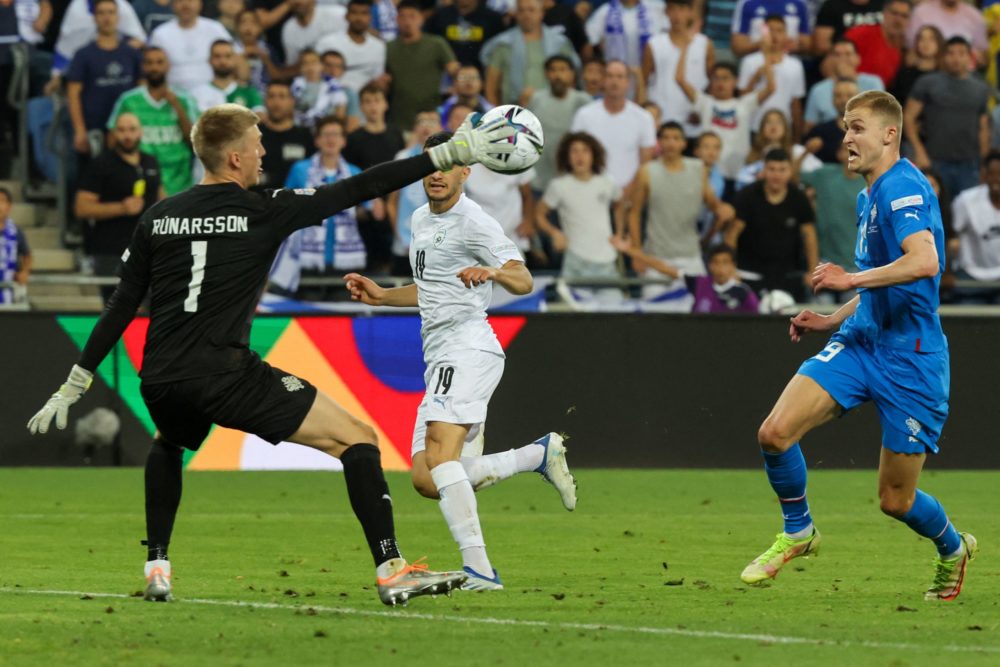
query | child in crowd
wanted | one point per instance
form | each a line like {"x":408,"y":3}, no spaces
{"x":316,"y":95}
{"x":334,"y":66}
{"x":721,"y":291}
{"x":775,"y":133}
{"x":583,"y":198}
{"x":708,"y":149}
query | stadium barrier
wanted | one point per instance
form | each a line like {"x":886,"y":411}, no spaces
{"x":629,"y":390}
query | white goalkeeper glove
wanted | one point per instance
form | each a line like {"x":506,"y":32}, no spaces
{"x":58,"y":405}
{"x":475,"y":144}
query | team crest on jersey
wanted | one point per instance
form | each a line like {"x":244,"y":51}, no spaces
{"x":913,"y":425}
{"x":292,"y":383}
{"x":439,"y":237}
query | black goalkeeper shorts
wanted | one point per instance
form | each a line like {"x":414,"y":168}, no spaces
{"x":265,"y":401}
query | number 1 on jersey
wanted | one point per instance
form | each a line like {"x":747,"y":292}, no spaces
{"x":199,"y":251}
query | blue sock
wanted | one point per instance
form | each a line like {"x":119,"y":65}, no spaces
{"x":787,"y":474}
{"x":927,"y":518}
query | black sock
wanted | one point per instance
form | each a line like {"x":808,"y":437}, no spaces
{"x":370,"y":499}
{"x":163,"y":496}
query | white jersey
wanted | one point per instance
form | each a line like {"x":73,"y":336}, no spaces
{"x":977,"y":223}
{"x":453,"y":317}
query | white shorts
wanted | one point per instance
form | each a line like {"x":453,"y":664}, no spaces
{"x":459,"y":389}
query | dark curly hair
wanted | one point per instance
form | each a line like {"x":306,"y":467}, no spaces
{"x":596,"y":149}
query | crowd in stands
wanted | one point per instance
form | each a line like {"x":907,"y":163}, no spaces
{"x":684,"y":138}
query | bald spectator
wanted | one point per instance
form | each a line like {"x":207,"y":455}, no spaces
{"x":363,"y":52}
{"x":115,"y":189}
{"x":99,"y":72}
{"x":515,"y":59}
{"x":415,"y":63}
{"x":223,"y":87}
{"x":623,"y":127}
{"x":308,"y":24}
{"x":187,"y":40}
{"x":954,"y":18}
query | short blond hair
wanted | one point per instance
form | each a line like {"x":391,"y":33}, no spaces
{"x":881,"y":104}
{"x":218,"y":130}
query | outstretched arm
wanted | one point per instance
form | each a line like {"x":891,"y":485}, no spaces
{"x":368,"y":291}
{"x":655,"y":263}
{"x":512,"y":276}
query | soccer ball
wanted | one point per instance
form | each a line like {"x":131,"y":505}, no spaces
{"x":528,"y":141}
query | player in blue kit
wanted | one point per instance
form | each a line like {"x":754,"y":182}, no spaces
{"x":889,"y":349}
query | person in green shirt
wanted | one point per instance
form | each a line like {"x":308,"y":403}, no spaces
{"x":224,"y":87}
{"x":166,"y":117}
{"x":414,"y":65}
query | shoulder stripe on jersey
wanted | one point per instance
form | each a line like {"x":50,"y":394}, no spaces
{"x":912,"y":200}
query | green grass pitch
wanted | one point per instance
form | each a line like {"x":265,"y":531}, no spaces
{"x":270,"y":570}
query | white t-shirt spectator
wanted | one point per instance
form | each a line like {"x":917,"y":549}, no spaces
{"x":651,"y":19}
{"x":977,"y":223}
{"x":363,"y":62}
{"x":789,"y":83}
{"x":188,"y":49}
{"x":584,"y":217}
{"x":78,"y":29}
{"x":622,"y":134}
{"x":732,"y":120}
{"x":499,"y":195}
{"x":326,"y":20}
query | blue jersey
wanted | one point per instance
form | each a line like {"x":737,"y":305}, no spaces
{"x":900,"y":203}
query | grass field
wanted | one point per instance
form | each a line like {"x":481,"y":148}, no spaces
{"x":269,"y":570}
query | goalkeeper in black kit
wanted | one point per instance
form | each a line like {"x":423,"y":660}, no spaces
{"x":204,"y":255}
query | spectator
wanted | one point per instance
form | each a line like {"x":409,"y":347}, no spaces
{"x":114,"y":190}
{"x":308,"y":24}
{"x":592,"y":77}
{"x":923,"y":59}
{"x":316,"y":95}
{"x":375,"y":141}
{"x":468,"y":92}
{"x":751,"y":23}
{"x":166,"y":116}
{"x":334,"y":245}
{"x":285,"y":143}
{"x":721,"y":291}
{"x":515,"y":58}
{"x":661,"y":66}
{"x":272,"y":15}
{"x":843,"y":61}
{"x":583,"y":198}
{"x":622,"y":28}
{"x":229,"y":13}
{"x":223,"y":86}
{"x":400,"y":204}
{"x":774,"y":232}
{"x":708,"y":149}
{"x":672,"y":189}
{"x":954,"y":18}
{"x":33,"y":18}
{"x":729,"y":116}
{"x":466,"y":25}
{"x":456,"y":115}
{"x":334,"y":67}
{"x":832,"y":187}
{"x":15,"y":254}
{"x":508,"y":198}
{"x":880,"y":47}
{"x":838,"y":16}
{"x":415,"y":63}
{"x":153,"y":13}
{"x":555,"y":107}
{"x":827,"y":136}
{"x":774,"y":132}
{"x":945,"y":120}
{"x":789,"y":75}
{"x":98,"y":74}
{"x":187,"y":40}
{"x":977,"y":225}
{"x":624,"y":128}
{"x":363,"y":52}
{"x":255,"y":51}
{"x":78,"y":29}
{"x":563,"y":17}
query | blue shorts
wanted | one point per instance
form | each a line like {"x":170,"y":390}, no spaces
{"x":909,"y":389}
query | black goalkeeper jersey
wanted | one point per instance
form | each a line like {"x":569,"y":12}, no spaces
{"x":205,"y":254}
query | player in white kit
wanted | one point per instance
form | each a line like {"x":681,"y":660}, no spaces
{"x":456,"y":251}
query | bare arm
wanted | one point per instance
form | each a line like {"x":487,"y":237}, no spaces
{"x":732,"y":231}
{"x":810,"y":245}
{"x":639,"y":195}
{"x":679,"y":76}
{"x":271,"y":17}
{"x":491,"y":89}
{"x":368,"y":291}
{"x":767,"y":71}
{"x":797,"y":117}
{"x":182,"y":117}
{"x":512,"y":276}
{"x":654,"y":263}
{"x":649,"y":66}
{"x":73,"y":91}
{"x":88,"y":205}
{"x":919,"y":260}
{"x":984,"y":135}
{"x":742,"y":44}
{"x":911,"y":130}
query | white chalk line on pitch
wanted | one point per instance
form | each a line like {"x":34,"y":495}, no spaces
{"x":558,"y":625}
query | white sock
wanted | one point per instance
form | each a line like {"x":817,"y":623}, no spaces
{"x":485,"y":471}
{"x":529,"y":457}
{"x":805,"y":532}
{"x":458,"y":505}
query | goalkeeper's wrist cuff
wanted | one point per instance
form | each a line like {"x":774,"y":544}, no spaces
{"x":80,"y":377}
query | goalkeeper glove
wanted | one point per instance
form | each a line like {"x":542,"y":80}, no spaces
{"x":58,"y":405}
{"x":475,"y":144}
